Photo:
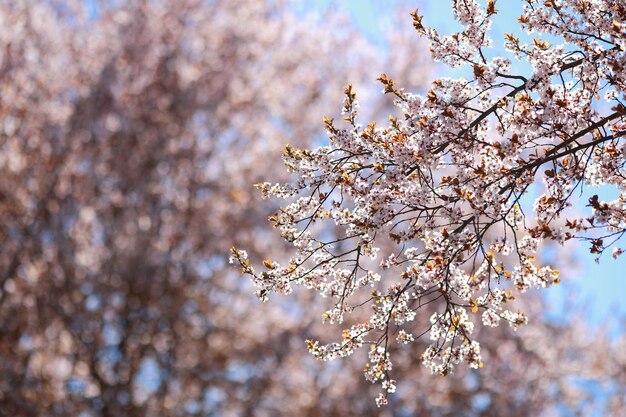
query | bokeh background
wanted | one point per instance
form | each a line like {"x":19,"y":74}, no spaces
{"x":131,"y":134}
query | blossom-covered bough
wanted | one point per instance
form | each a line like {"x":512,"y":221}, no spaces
{"x":436,"y":196}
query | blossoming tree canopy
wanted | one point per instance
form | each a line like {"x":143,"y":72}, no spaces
{"x":435,"y":196}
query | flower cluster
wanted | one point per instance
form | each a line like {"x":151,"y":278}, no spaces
{"x":439,"y":189}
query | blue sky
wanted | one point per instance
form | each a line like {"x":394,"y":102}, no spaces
{"x":602,"y":286}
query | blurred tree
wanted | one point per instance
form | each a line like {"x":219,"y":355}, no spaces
{"x":130,"y":136}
